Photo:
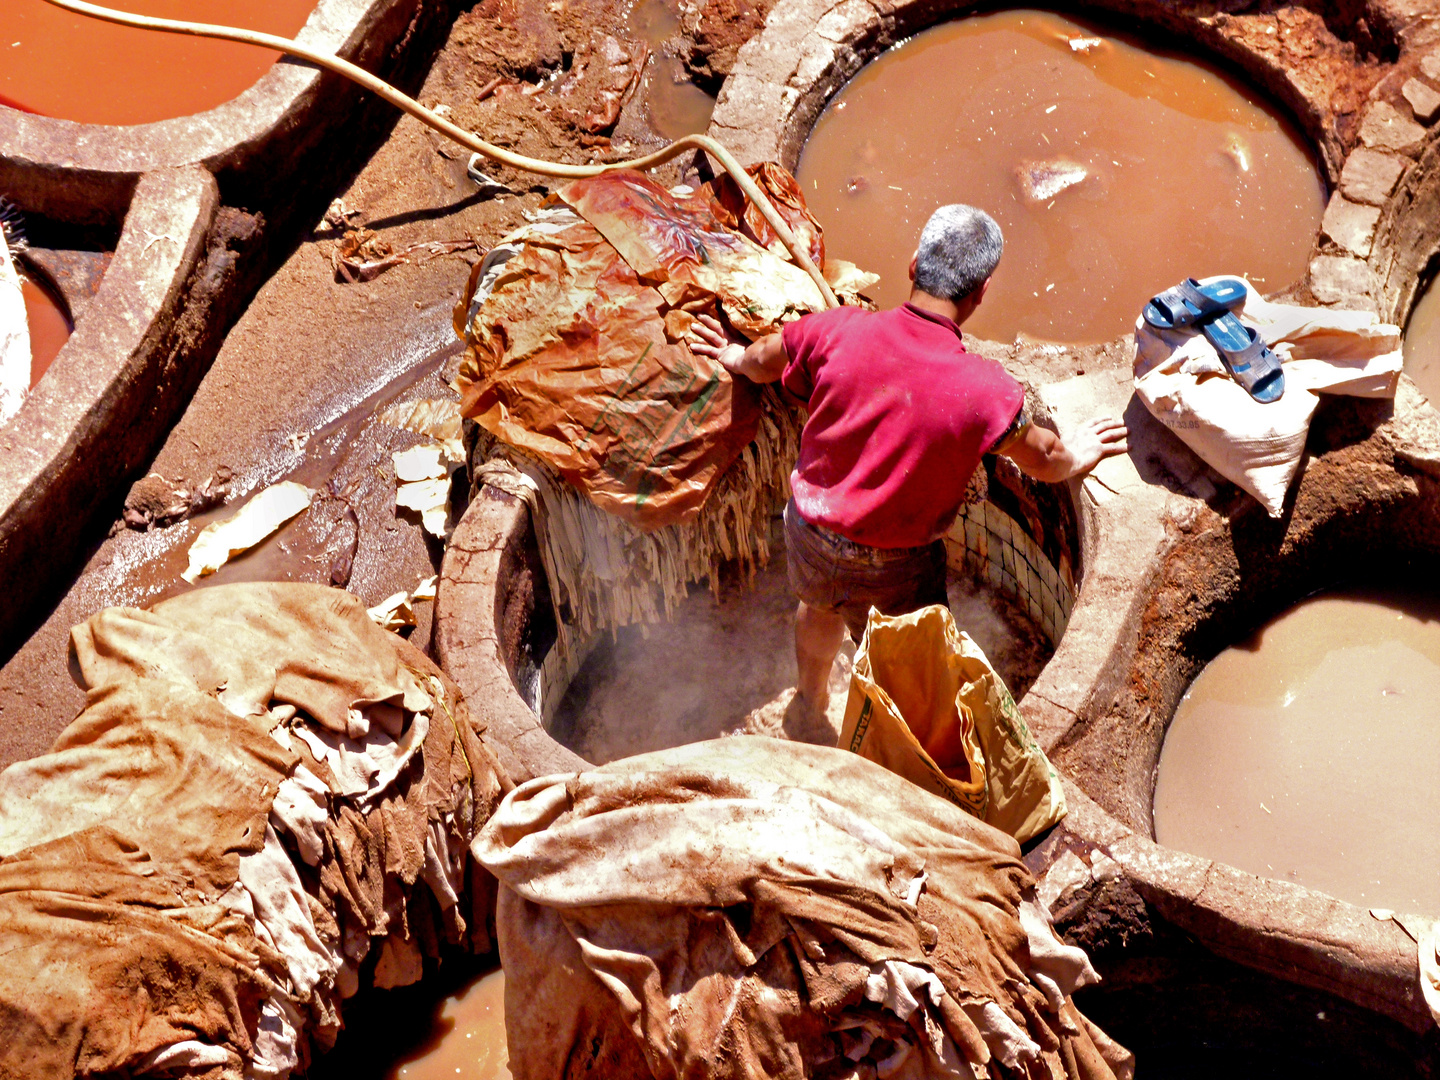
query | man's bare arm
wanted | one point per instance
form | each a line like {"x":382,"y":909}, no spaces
{"x":761,"y":361}
{"x":1044,"y":455}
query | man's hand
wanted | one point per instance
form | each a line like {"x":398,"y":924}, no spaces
{"x":761,"y":361}
{"x":707,"y":338}
{"x":1094,"y":441}
{"x":1045,"y":456}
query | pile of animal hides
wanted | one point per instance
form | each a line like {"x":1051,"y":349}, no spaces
{"x":749,"y":909}
{"x":266,"y":802}
{"x":645,"y":465}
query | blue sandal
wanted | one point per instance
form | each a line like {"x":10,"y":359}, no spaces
{"x":1190,"y":302}
{"x":1245,"y":354}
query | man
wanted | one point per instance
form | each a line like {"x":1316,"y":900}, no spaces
{"x":899,"y":416}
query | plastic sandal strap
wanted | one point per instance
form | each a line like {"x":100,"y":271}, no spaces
{"x":1252,"y":363}
{"x":1185,"y":304}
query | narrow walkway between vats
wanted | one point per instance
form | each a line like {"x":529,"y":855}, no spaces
{"x":298,"y":379}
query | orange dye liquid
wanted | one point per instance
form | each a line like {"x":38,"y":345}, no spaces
{"x":49,"y":327}
{"x":57,"y":63}
{"x":1114,"y":171}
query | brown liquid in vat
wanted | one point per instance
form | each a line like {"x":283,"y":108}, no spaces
{"x":1311,"y":752}
{"x":1422,"y":344}
{"x":1142,"y":168}
{"x":467,"y":1040}
{"x":57,"y":63}
{"x":49,"y":327}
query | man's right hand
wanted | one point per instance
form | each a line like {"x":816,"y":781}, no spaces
{"x":1094,"y":441}
{"x":1044,"y":455}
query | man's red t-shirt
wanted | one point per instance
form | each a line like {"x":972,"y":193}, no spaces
{"x":900,"y":413}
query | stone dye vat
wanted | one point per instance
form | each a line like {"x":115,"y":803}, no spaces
{"x":558,"y":698}
{"x":1310,"y":752}
{"x":1113,"y":169}
{"x":76,"y":68}
{"x":728,"y":665}
{"x":1178,"y":565}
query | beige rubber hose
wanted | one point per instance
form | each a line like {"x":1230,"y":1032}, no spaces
{"x":468,"y":139}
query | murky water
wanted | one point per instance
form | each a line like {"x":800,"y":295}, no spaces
{"x":1311,"y":752}
{"x":718,"y":669}
{"x":49,"y":327}
{"x":467,"y":1039}
{"x":57,"y":63}
{"x":1422,"y":343}
{"x":675,"y":105}
{"x":449,"y":1025}
{"x":1114,"y":170}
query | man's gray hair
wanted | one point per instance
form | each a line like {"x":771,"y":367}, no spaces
{"x":960,"y":247}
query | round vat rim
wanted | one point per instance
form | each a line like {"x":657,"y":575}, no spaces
{"x":73,"y":439}
{"x":1180,"y":605}
{"x":809,"y":49}
{"x":85,"y":173}
{"x":1285,"y":930}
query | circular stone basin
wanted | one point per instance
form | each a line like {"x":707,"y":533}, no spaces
{"x":721,"y":668}
{"x":1310,"y":752}
{"x":61,"y":64}
{"x":556,"y":698}
{"x":1422,"y":343}
{"x":1114,"y":169}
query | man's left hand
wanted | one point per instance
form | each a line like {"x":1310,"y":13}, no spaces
{"x":706,"y":337}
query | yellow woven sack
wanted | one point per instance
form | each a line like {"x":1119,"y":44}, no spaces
{"x":926,"y":704}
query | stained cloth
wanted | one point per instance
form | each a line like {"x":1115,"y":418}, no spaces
{"x":263,"y":790}
{"x":576,"y":354}
{"x":900,"y":414}
{"x":1180,"y":379}
{"x":753,"y":908}
{"x":645,"y":465}
{"x":14,"y":337}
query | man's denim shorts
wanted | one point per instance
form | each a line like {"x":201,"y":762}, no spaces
{"x":831,"y":573}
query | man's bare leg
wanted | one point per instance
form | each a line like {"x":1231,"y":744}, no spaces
{"x":818,"y":636}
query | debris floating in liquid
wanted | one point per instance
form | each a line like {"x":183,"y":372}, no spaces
{"x":263,"y":515}
{"x":1237,"y":150}
{"x":1041,"y":181}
